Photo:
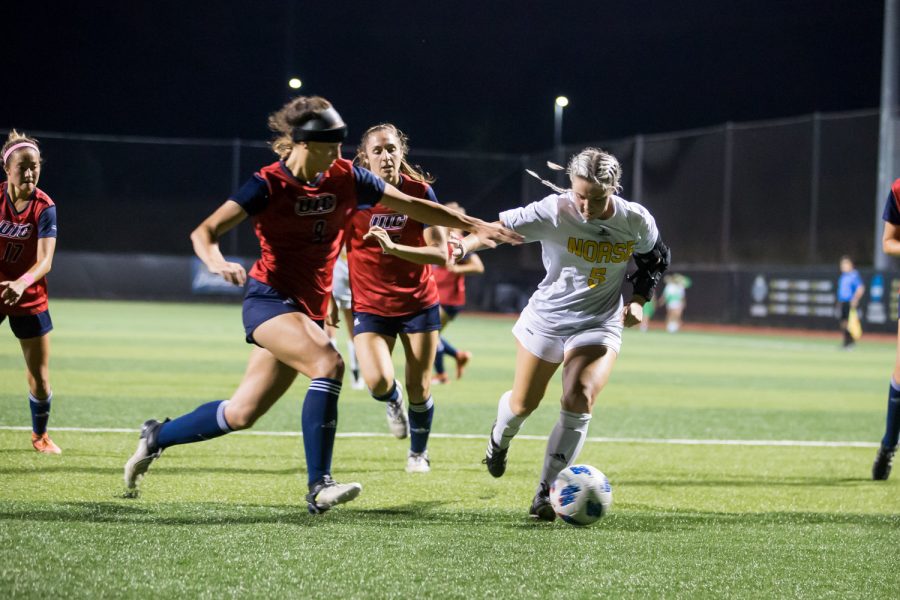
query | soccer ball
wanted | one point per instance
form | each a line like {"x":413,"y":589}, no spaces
{"x":581,"y":495}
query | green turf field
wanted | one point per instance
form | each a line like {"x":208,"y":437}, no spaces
{"x":226,"y":518}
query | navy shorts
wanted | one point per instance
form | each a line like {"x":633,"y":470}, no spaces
{"x":30,"y":326}
{"x":452,"y":310}
{"x":428,"y":319}
{"x":263,"y":302}
{"x":844,"y":310}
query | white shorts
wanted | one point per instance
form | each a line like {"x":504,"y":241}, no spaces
{"x":341,"y":286}
{"x":553,"y":348}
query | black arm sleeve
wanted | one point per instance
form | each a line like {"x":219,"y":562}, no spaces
{"x":650,"y":269}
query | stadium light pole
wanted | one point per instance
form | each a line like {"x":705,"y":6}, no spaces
{"x":558,"y":157}
{"x":889,"y":122}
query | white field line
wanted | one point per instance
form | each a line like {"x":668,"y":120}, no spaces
{"x":472,"y":436}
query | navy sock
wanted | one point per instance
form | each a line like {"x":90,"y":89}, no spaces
{"x":206,"y":422}
{"x":448,"y":348}
{"x":40,"y":413}
{"x":439,"y":360}
{"x":319,"y":419}
{"x":392,"y":395}
{"x":420,"y":416}
{"x":892,"y":430}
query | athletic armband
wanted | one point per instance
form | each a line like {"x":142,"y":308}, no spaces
{"x":650,"y":269}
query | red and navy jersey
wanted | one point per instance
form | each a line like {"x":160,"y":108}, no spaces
{"x":892,"y":205}
{"x":451,"y":287}
{"x":301,"y":226}
{"x":19,"y":235}
{"x":383,"y":284}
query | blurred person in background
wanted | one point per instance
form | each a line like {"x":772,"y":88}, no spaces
{"x":674,"y":297}
{"x":451,"y":282}
{"x":27,"y":244}
{"x":850,"y":291}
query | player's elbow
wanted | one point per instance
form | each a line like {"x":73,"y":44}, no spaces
{"x":201,"y":236}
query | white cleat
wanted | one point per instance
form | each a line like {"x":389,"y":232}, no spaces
{"x":397,"y":420}
{"x":140,"y":461}
{"x":327,"y":493}
{"x":418,"y":462}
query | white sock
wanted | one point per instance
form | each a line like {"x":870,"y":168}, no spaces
{"x":351,"y":354}
{"x":565,"y":443}
{"x":508,"y":424}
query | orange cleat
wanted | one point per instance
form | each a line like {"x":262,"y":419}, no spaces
{"x":440,"y":378}
{"x":462,"y":359}
{"x":42,"y":443}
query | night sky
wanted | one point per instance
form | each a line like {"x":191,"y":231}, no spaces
{"x":460,"y":75}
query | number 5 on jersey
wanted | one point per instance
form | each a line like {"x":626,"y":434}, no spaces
{"x":598,"y":276}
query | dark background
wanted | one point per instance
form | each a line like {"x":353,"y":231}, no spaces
{"x":459,"y":75}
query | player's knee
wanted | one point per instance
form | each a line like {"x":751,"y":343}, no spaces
{"x":330,"y":366}
{"x":580,"y":397}
{"x":381,"y":385}
{"x":522,"y":406}
{"x":416,"y":392}
{"x":240,"y":418}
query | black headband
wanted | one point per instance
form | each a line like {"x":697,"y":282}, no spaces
{"x":327,"y":126}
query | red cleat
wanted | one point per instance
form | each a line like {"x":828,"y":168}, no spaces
{"x":42,"y":443}
{"x":462,"y":359}
{"x":440,"y":378}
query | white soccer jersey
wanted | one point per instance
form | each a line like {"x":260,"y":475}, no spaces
{"x":586,"y":260}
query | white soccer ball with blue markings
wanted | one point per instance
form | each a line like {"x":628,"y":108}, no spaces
{"x":581,"y":495}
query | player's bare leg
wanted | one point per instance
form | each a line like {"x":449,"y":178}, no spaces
{"x":373,"y":350}
{"x":529,"y":386}
{"x":299,"y":343}
{"x":37,"y":370}
{"x":265,"y":380}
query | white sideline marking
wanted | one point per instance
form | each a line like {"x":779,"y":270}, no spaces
{"x":472,"y":436}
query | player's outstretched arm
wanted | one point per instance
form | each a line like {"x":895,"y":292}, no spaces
{"x":432,"y":213}
{"x":434,"y":253}
{"x":471,"y":243}
{"x":205,"y":239}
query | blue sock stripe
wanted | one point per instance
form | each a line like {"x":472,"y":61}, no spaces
{"x":34,"y":399}
{"x":220,"y":418}
{"x":324,"y":384}
{"x":391,"y":396}
{"x":894,"y":394}
{"x":425,"y":407}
